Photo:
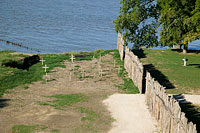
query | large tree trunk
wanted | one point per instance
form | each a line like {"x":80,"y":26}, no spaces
{"x":185,"y":49}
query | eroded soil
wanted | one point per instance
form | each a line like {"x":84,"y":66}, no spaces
{"x":22,"y":106}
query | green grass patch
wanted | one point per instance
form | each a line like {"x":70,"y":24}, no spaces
{"x":170,"y":64}
{"x":32,"y":129}
{"x":77,"y":66}
{"x":64,"y":100}
{"x":128,"y":85}
{"x":88,"y":120}
{"x":13,"y":77}
{"x":55,"y":131}
{"x":89,"y":114}
{"x":26,"y":87}
{"x":27,"y":129}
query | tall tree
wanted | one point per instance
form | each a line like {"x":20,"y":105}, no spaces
{"x":137,"y":22}
{"x":180,"y":20}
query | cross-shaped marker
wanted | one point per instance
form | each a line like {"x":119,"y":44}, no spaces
{"x":45,"y":68}
{"x":42,"y":60}
{"x":72,"y":58}
{"x":101,"y":73}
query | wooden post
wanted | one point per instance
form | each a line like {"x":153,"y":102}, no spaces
{"x":72,"y":58}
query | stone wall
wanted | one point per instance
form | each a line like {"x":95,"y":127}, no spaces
{"x":164,"y":108}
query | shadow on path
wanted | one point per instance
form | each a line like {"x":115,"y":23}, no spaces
{"x":159,"y":76}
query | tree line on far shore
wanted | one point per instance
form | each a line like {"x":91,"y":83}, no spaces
{"x":178,"y":20}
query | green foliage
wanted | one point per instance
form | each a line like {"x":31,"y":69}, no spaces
{"x":64,"y":100}
{"x":132,"y":22}
{"x":180,"y":21}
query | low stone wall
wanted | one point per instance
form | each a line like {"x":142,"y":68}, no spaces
{"x":166,"y":109}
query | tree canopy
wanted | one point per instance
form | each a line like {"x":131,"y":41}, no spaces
{"x":180,"y":20}
{"x":139,"y":19}
{"x":132,"y":22}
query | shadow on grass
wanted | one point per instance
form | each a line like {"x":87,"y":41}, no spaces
{"x":188,"y":51}
{"x":192,"y":112}
{"x":140,"y":53}
{"x":24,"y":64}
{"x":3,"y":102}
{"x":159,"y":76}
{"x":196,"y":65}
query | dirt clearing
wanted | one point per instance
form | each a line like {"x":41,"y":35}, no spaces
{"x":42,"y":106}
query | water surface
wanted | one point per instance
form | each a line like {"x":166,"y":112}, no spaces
{"x":55,"y":26}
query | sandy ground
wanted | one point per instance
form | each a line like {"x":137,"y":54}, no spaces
{"x":194,"y":99}
{"x":131,"y":114}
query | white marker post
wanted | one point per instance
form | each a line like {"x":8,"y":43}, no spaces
{"x":42,"y":60}
{"x":72,"y":58}
{"x":185,"y":61}
{"x":45,"y":68}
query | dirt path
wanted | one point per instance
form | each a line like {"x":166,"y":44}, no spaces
{"x":194,"y":99}
{"x":131,"y":114}
{"x":26,"y":106}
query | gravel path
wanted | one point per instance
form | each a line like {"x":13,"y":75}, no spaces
{"x":131,"y":114}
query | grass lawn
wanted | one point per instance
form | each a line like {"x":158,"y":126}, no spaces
{"x":167,"y":66}
{"x":13,"y":77}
